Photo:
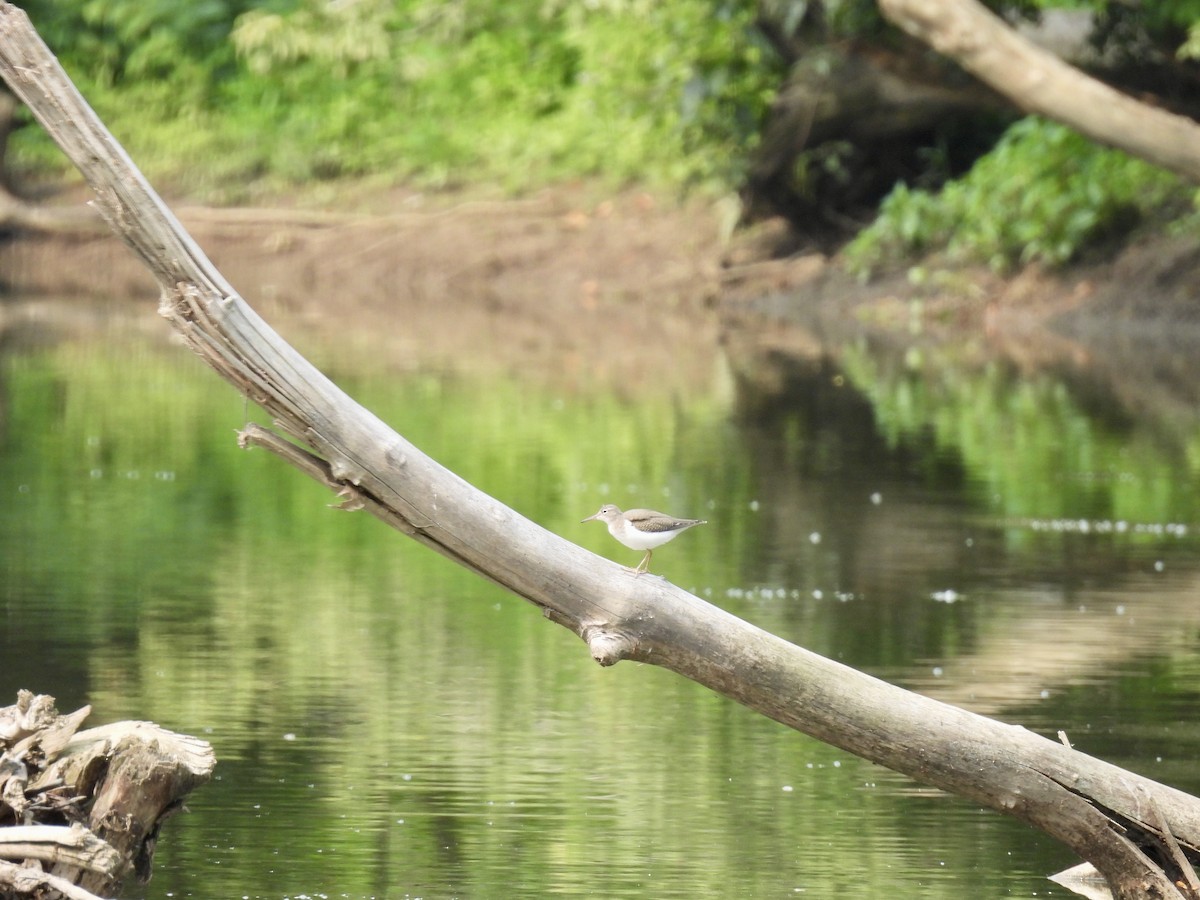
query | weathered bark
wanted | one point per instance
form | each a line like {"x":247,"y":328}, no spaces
{"x":1039,"y":82}
{"x":1108,"y":815}
{"x":31,"y":881}
{"x":83,"y":808}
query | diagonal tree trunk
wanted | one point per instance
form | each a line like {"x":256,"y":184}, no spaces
{"x":1116,"y":819}
{"x":1039,"y":82}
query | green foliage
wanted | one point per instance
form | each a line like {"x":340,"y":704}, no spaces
{"x":1191,"y":47}
{"x":1043,"y":194}
{"x":519,"y":93}
{"x":340,"y":37}
{"x":128,"y":41}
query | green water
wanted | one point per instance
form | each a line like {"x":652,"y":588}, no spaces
{"x":388,"y":725}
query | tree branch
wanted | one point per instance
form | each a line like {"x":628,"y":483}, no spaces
{"x":1039,"y":82}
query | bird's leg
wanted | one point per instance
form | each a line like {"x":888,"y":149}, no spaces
{"x":644,"y":565}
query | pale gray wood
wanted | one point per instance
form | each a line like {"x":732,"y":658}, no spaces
{"x":147,"y":772}
{"x":71,"y":846}
{"x":116,"y":784}
{"x":1099,"y":810}
{"x":26,"y":881}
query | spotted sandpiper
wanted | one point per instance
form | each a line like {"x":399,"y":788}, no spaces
{"x":642,"y":529}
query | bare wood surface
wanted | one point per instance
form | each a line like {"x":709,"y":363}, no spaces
{"x":145,"y":773}
{"x":70,"y":846}
{"x":1039,"y":82}
{"x":83,"y":808}
{"x":1187,"y":875}
{"x":24,"y":881}
{"x":1095,"y":808}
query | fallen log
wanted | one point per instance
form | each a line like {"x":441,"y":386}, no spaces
{"x":80,"y":811}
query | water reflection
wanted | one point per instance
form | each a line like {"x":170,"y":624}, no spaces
{"x":1050,"y":519}
{"x":388,"y":725}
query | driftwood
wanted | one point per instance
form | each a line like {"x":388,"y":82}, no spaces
{"x":83,"y":808}
{"x":1128,"y":826}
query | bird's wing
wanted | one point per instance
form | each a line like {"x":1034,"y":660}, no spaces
{"x":649,"y":520}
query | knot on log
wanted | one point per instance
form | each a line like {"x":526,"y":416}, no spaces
{"x":608,"y":647}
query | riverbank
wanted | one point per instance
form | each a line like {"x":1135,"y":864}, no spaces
{"x":567,"y":283}
{"x":570,"y":281}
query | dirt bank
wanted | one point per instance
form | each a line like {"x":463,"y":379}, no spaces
{"x":565,"y":283}
{"x":1123,"y":333}
{"x":581,"y":286}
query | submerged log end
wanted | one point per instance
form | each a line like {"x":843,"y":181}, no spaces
{"x":147,"y":773}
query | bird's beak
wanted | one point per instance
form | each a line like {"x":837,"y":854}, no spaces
{"x":588,"y":519}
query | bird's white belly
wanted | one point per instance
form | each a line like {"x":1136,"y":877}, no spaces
{"x":641,"y":540}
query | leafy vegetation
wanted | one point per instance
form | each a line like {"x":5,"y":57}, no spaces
{"x":231,"y":98}
{"x":1041,"y":195}
{"x":1044,"y":193}
{"x":518,"y":93}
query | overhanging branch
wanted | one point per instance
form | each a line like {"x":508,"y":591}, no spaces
{"x":1039,"y":82}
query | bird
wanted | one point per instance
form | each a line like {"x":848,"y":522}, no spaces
{"x":642,"y":529}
